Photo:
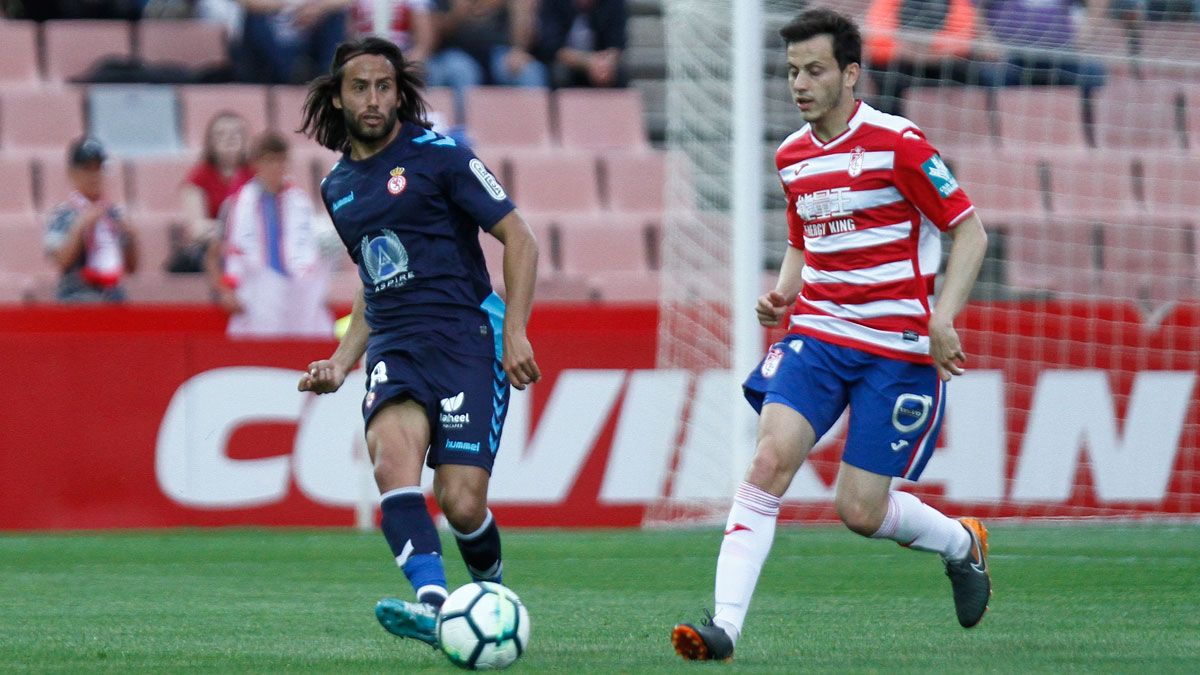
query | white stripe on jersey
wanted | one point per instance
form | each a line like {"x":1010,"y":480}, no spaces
{"x":901,"y":270}
{"x":871,"y":161}
{"x":869,"y":310}
{"x":885,"y":234}
{"x":840,"y":328}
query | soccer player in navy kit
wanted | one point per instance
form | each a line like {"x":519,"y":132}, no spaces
{"x":442,"y":348}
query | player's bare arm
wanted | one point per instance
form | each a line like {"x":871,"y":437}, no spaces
{"x":327,"y":375}
{"x":520,"y":275}
{"x":773,"y":306}
{"x":962,"y":266}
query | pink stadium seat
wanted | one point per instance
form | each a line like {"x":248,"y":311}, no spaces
{"x":153,"y":286}
{"x":154,"y":239}
{"x":1191,"y":110}
{"x":619,"y":286}
{"x":16,"y":177}
{"x":73,"y":47}
{"x":190,"y":42}
{"x":493,"y":251}
{"x":1053,"y":255}
{"x":154,"y":183}
{"x":19,"y":67}
{"x":1041,"y":116}
{"x":559,"y":183}
{"x":1169,"y":183}
{"x":564,"y":287}
{"x":1138,"y":114}
{"x":1091,"y":185}
{"x":55,"y":184}
{"x":343,"y":286}
{"x":1169,"y":49}
{"x":287,"y":113}
{"x":952,"y":117}
{"x":1001,"y":184}
{"x":42,"y":119}
{"x":439,"y":102}
{"x":15,"y":288}
{"x":21,"y":249}
{"x":636,"y":180}
{"x":1147,"y":258}
{"x":605,"y":243}
{"x":200,"y":102}
{"x":596,"y":119}
{"x":504,"y":117}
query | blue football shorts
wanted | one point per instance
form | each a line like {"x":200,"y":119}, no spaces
{"x":896,"y":407}
{"x":465,"y":397}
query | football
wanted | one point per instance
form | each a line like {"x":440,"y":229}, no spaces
{"x":483,"y":626}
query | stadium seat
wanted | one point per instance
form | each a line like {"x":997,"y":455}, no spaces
{"x":1169,"y":183}
{"x":635,"y":181}
{"x":1169,"y":50}
{"x":505,"y":117}
{"x":1053,"y":255}
{"x":1004,"y":185}
{"x":194,"y":43}
{"x":287,"y":112}
{"x":598,"y":119}
{"x":952,"y":118}
{"x":154,"y":239}
{"x":16,"y":197}
{"x":151,"y":285}
{"x":19,"y":67}
{"x":1191,"y":109}
{"x":74,"y":47}
{"x":564,"y":287}
{"x":15,"y":288}
{"x":1147,"y":258}
{"x":1041,"y":116}
{"x":439,"y":102}
{"x":1091,"y":185}
{"x":493,"y":251}
{"x":619,"y":286}
{"x":41,"y":119}
{"x":54,"y":184}
{"x":154,"y":182}
{"x":1138,"y":114}
{"x":607,"y":243}
{"x":21,"y":249}
{"x":559,"y":183}
{"x":134,"y":120}
{"x":200,"y":103}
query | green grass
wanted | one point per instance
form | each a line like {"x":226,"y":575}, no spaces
{"x":1067,"y":598}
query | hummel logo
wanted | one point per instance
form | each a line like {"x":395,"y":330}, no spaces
{"x":736,"y":527}
{"x":899,"y":445}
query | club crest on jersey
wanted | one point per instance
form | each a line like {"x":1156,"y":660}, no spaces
{"x":770,"y":365}
{"x":397,"y":182}
{"x":856,"y":161}
{"x":386,"y":260}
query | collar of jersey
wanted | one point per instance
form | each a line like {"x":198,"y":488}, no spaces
{"x":853,"y":123}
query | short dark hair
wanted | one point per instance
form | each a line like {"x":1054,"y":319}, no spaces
{"x":847,"y":41}
{"x":325,"y":123}
{"x":270,"y":143}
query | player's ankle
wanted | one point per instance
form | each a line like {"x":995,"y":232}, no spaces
{"x":729,"y":629}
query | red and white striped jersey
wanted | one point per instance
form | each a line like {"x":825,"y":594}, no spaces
{"x":867,"y":208}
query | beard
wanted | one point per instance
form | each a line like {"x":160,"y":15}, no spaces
{"x":368,"y":135}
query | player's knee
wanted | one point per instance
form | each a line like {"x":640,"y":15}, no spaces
{"x":773,"y":461}
{"x":859,"y":516}
{"x":464,"y":509}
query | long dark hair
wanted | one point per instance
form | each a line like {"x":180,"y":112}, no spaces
{"x":325,"y":123}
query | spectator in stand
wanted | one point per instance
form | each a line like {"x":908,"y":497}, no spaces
{"x":408,"y":23}
{"x":288,"y":41}
{"x":88,"y":236}
{"x":1042,"y":41}
{"x":222,"y":170}
{"x":269,"y":271}
{"x":581,"y":41}
{"x":921,"y":43}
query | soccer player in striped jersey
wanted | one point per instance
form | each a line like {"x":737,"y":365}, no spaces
{"x":868,"y":198}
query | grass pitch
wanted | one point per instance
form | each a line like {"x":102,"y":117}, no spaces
{"x":1067,"y":598}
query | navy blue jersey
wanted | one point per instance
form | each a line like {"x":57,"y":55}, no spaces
{"x":410,"y":217}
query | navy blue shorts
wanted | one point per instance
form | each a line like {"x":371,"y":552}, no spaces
{"x":464,"y":395}
{"x":895,"y":406}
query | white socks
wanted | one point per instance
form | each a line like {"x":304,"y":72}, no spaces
{"x":913,"y":523}
{"x":749,"y":533}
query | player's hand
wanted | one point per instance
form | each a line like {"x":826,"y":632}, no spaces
{"x":945,"y":349}
{"x":322,"y":377}
{"x":228,"y":300}
{"x":771,"y":308}
{"x":518,"y":360}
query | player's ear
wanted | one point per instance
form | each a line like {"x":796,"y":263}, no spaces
{"x":850,"y":75}
{"x":337,"y":101}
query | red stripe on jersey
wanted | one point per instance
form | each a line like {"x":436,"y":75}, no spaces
{"x":859,"y":258}
{"x":856,"y":294}
{"x":892,"y":324}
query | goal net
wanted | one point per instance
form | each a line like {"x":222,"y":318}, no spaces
{"x":1083,"y":333}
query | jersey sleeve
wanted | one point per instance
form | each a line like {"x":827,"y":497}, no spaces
{"x":794,"y":222}
{"x":923,"y":178}
{"x":473,"y":188}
